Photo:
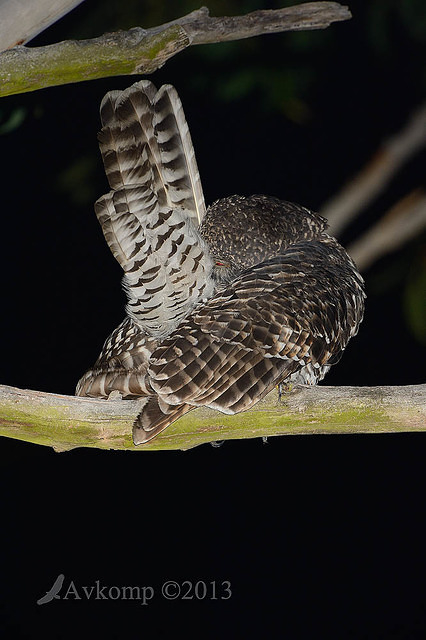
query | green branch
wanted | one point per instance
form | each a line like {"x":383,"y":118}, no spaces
{"x":140,"y":51}
{"x":65,"y":422}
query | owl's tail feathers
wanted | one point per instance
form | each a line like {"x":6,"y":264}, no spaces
{"x":154,"y":418}
{"x":145,"y":141}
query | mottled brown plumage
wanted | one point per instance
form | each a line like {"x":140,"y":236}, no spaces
{"x":220,"y":313}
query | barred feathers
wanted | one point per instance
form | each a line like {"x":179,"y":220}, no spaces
{"x":223,"y":304}
{"x":150,"y":217}
{"x":286,"y":319}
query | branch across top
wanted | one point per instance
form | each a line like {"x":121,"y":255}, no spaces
{"x":142,"y":51}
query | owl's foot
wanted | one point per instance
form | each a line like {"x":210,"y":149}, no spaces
{"x":115,"y":395}
{"x":284,"y":388}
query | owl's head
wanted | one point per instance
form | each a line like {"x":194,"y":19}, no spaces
{"x":243,"y":231}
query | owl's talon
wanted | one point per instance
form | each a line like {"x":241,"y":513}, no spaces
{"x":284,"y":388}
{"x":115,"y":395}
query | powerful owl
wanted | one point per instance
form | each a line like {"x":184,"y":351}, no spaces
{"x":224,"y":303}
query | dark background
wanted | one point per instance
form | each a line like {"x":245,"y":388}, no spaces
{"x":321,"y":537}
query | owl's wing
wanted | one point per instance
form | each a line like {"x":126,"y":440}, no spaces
{"x":150,"y":217}
{"x":288,"y":318}
{"x":122,"y":365}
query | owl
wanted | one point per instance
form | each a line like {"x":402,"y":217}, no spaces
{"x":224,"y":303}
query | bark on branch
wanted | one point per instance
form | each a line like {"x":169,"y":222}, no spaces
{"x":65,"y":422}
{"x":140,"y":51}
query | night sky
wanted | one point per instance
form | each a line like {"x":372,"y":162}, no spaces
{"x":320,"y":537}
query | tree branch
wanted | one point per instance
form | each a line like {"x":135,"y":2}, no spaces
{"x":342,"y":208}
{"x":65,"y":422}
{"x":21,"y":20}
{"x":139,"y":51}
{"x":405,"y":220}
